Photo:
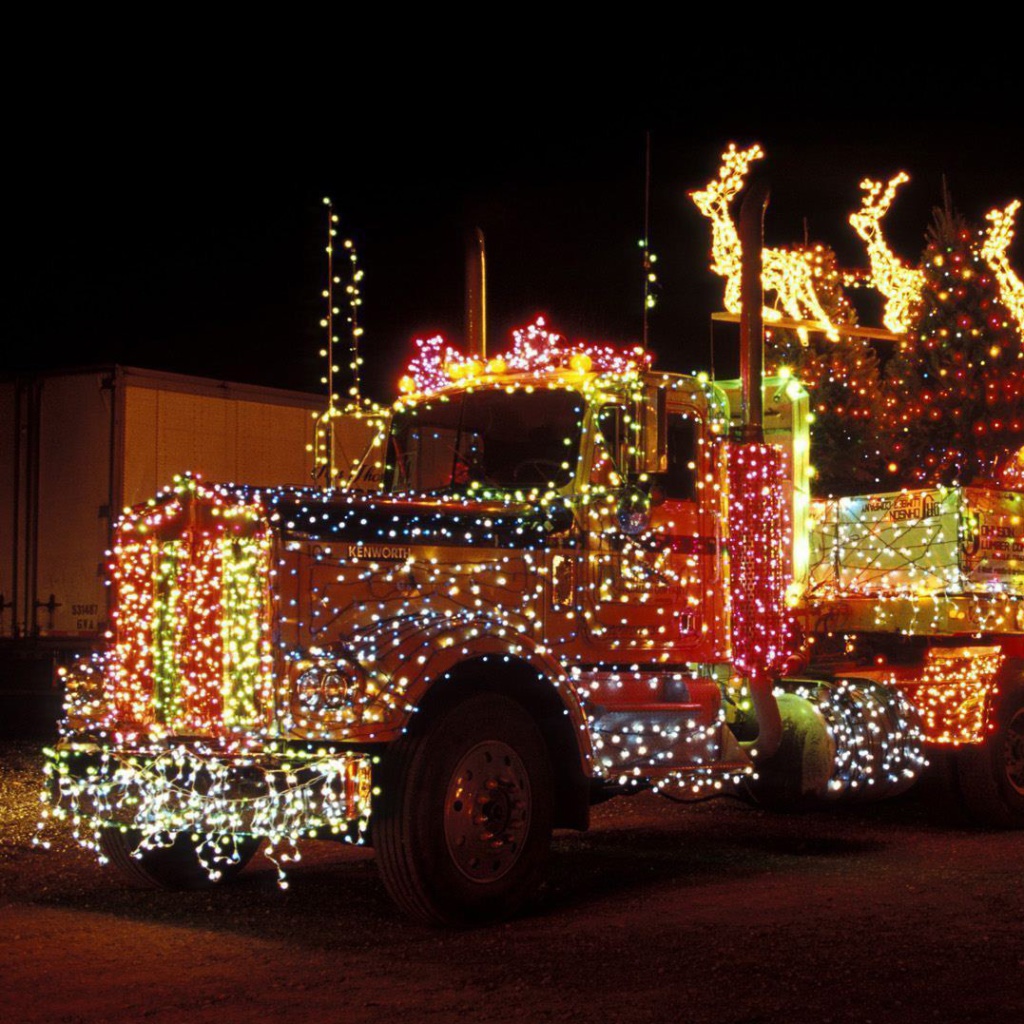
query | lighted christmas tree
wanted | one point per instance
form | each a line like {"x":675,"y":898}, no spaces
{"x":842,"y":377}
{"x":955,"y":388}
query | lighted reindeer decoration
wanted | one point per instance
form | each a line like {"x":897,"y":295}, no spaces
{"x":790,"y":275}
{"x":993,"y":251}
{"x":900,"y":285}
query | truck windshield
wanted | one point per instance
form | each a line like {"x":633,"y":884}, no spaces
{"x":490,"y":439}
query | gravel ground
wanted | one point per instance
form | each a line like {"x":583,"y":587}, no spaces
{"x":712,"y":913}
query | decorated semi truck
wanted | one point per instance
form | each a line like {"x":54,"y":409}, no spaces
{"x":572,"y":577}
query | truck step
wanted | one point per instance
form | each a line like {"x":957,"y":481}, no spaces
{"x":654,"y":736}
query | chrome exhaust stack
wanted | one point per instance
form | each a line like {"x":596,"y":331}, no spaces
{"x":762,"y":676}
{"x":752,"y":211}
{"x":476,"y":295}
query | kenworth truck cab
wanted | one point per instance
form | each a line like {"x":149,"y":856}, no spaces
{"x":529,"y":613}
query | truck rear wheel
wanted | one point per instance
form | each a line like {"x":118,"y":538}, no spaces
{"x":462,"y":825}
{"x":177,"y":865}
{"x":991,"y":775}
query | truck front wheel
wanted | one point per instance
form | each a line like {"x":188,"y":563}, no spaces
{"x":462,"y":823}
{"x":991,"y":776}
{"x":179,"y":864}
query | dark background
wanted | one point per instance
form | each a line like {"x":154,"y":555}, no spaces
{"x":166,"y":211}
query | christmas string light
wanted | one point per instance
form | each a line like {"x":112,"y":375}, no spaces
{"x":901,"y":285}
{"x":956,"y":688}
{"x":941,"y":542}
{"x":535,"y":349}
{"x":875,"y":734}
{"x":994,"y":251}
{"x":354,"y":291}
{"x":332,"y":311}
{"x":217,"y":795}
{"x":357,"y":408}
{"x":203,"y":661}
{"x":760,"y":560}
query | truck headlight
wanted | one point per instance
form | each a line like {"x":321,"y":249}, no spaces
{"x":326,"y":685}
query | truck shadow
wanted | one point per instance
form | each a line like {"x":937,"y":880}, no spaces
{"x":335,"y":898}
{"x":610,"y":863}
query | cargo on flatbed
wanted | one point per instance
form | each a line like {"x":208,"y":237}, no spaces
{"x":925,"y":561}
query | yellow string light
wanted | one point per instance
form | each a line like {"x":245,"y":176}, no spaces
{"x":789,"y":274}
{"x":901,"y":285}
{"x":994,"y":251}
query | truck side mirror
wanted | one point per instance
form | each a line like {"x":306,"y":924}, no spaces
{"x":558,"y":518}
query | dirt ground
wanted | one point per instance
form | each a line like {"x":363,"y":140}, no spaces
{"x":712,"y":913}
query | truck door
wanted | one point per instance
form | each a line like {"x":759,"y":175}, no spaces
{"x":646,"y":589}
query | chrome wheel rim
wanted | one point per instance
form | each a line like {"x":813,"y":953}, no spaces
{"x":487,"y":811}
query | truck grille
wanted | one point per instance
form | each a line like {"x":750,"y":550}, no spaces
{"x":192,"y":618}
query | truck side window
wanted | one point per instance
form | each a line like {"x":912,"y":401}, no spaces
{"x":680,"y":481}
{"x":610,"y":423}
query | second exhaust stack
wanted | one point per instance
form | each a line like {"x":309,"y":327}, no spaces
{"x":476,"y":295}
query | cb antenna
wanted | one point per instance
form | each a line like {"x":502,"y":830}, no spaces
{"x":325,"y":429}
{"x":355,"y":331}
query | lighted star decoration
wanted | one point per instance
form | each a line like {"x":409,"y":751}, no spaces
{"x":790,"y":275}
{"x":901,"y":285}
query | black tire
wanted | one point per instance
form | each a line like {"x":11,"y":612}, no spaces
{"x":176,"y":866}
{"x":991,"y":775}
{"x":462,"y":824}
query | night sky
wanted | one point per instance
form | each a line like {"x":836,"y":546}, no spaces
{"x":182,"y":228}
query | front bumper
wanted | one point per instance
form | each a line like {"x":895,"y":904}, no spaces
{"x":278,"y":792}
